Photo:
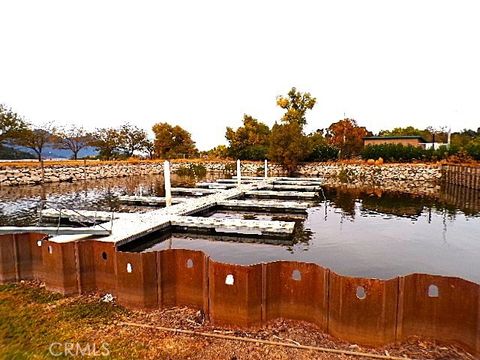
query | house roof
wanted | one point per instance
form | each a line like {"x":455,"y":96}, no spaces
{"x":399,"y":137}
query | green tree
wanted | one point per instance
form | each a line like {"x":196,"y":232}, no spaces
{"x":409,"y":131}
{"x":149,"y":148}
{"x":347,"y":136}
{"x":173,"y":142}
{"x":107,"y":142}
{"x":296,"y":105}
{"x":36,"y":138}
{"x":462,"y":138}
{"x":73,"y":138}
{"x":218,"y":152}
{"x":288,"y":145}
{"x":131,"y":139}
{"x":11,"y":124}
{"x":250,"y":141}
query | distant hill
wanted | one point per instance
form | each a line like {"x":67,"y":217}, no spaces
{"x":49,"y":152}
{"x":8,"y":153}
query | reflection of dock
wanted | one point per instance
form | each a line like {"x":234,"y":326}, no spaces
{"x":466,"y":199}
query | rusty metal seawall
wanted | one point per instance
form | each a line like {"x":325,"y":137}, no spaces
{"x":365,"y":311}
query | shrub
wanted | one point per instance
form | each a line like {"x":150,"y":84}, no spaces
{"x":323,"y":152}
{"x":401,"y":153}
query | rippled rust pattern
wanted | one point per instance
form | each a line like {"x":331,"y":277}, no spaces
{"x":183,"y":278}
{"x":7,"y":259}
{"x":297,"y":291}
{"x":137,"y":280}
{"x":365,"y":311}
{"x":442,"y":308}
{"x":60,"y":268}
{"x":235,"y":294}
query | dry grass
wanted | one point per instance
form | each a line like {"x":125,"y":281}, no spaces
{"x":32,"y":318}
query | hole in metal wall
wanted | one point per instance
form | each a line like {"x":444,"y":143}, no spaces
{"x":50,"y":250}
{"x":129,"y":268}
{"x":433,"y":291}
{"x":39,"y":243}
{"x":296,"y":275}
{"x":104,"y":255}
{"x":229,"y":280}
{"x":189,"y":263}
{"x":361,"y":293}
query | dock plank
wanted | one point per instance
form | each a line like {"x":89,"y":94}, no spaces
{"x":148,"y":200}
{"x":281,"y":194}
{"x":265,"y":205}
{"x":236,"y":226}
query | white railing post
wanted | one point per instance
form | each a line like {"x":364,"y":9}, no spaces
{"x":239,"y":175}
{"x":266,"y":168}
{"x":168,"y":186}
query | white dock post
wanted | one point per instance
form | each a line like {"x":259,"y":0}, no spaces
{"x":239,"y":175}
{"x":266,"y":168}
{"x":168,"y":186}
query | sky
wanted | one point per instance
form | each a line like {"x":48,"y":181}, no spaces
{"x":203,"y":64}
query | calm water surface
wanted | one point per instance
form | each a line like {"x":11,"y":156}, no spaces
{"x":359,"y":232}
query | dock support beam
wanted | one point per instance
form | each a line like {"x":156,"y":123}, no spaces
{"x":266,"y":168}
{"x":168,"y":185}
{"x":239,"y":175}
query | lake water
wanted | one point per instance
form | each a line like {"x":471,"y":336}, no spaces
{"x":357,"y":232}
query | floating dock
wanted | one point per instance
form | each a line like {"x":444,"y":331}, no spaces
{"x":227,"y":194}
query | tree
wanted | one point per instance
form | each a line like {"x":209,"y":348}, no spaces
{"x":296,"y":105}
{"x":218,"y":152}
{"x":36,"y":138}
{"x":320,"y":150}
{"x":73,"y":138}
{"x":149,"y":147}
{"x":173,"y":142}
{"x":462,"y":138}
{"x":106,"y":141}
{"x":288,"y":145}
{"x":347,"y":136}
{"x":10,"y":124}
{"x":131,"y":139}
{"x":250,"y":141}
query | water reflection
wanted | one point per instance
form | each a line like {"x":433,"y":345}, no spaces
{"x":363,"y":231}
{"x":20,"y":205}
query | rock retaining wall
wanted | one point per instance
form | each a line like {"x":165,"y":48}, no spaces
{"x":410,"y":175}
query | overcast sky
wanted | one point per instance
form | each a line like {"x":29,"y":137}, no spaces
{"x":203,"y":64}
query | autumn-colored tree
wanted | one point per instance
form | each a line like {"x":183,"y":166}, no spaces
{"x":250,"y":141}
{"x":10,"y":124}
{"x":173,"y":142}
{"x":107,"y":142}
{"x":73,"y":138}
{"x":131,"y":139}
{"x":36,"y":138}
{"x":347,"y":136}
{"x":296,"y":105}
{"x":288,"y":145}
{"x":218,"y":152}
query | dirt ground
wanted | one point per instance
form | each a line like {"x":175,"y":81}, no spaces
{"x":32,"y":319}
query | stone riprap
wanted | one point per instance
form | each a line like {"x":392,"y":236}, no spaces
{"x":410,"y":175}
